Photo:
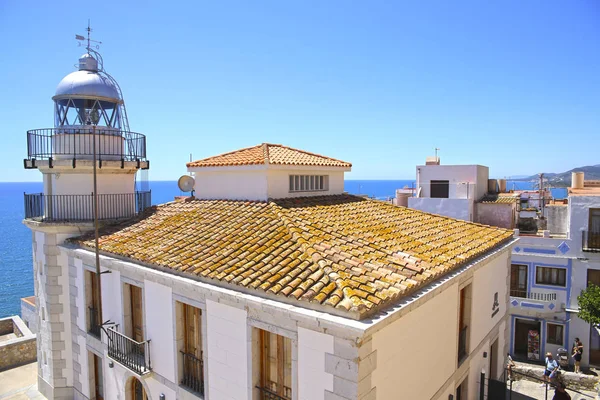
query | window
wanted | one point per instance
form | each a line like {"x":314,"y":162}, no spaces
{"x":464,"y":320}
{"x":275,"y":381}
{"x":555,"y":334}
{"x":551,"y":276}
{"x":518,"y":280}
{"x":440,"y":189}
{"x":594,"y":223}
{"x":92,"y":300}
{"x":191,"y":355}
{"x":308,"y":183}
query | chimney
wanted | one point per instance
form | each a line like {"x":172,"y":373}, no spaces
{"x":577,"y":180}
{"x":432,"y":161}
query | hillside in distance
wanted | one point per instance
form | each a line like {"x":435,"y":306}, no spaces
{"x":591,"y":172}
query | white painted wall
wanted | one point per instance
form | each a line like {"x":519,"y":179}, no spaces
{"x":579,"y":211}
{"x":487,"y":281}
{"x":454,"y":208}
{"x":84,"y":184}
{"x":84,"y":374}
{"x":259,"y":182}
{"x":159,"y":318}
{"x":81,"y":303}
{"x":410,"y":347}
{"x":312,"y":378}
{"x":248,"y":183}
{"x":112,"y":298}
{"x":227,"y":337}
{"x":427,"y":337}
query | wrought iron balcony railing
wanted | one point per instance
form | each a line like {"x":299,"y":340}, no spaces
{"x":126,"y":351}
{"x":462,"y":344}
{"x":77,"y":143}
{"x":80,"y":207}
{"x":533,"y":295}
{"x":193,"y":373}
{"x":94,"y":327}
{"x":267,"y":394}
{"x":590,"y":241}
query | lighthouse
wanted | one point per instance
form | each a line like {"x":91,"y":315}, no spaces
{"x":88,"y":161}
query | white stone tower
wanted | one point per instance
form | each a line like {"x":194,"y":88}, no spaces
{"x":90,"y":123}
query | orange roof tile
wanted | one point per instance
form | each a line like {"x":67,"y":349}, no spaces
{"x":500,"y":198}
{"x":351,"y":255}
{"x":267,"y":153}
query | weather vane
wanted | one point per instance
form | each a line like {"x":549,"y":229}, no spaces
{"x":89,"y":41}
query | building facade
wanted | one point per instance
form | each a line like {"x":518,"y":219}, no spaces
{"x":270,"y":284}
{"x":549,"y":270}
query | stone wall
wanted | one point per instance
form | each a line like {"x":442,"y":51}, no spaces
{"x":19,"y":350}
{"x":570,"y":379}
{"x":29,"y":313}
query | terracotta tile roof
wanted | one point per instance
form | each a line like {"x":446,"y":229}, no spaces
{"x":500,"y":198}
{"x":348,"y":254}
{"x":267,"y":153}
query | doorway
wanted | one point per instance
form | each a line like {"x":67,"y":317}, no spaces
{"x":527,"y":339}
{"x":593,"y":277}
{"x":137,"y":390}
{"x":133,"y":312}
{"x":494,"y":360}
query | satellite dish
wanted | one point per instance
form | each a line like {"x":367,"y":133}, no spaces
{"x":186,"y":183}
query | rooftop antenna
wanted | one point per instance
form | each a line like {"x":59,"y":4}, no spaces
{"x":436,"y":151}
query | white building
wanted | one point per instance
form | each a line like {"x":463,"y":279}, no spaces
{"x":549,"y":267}
{"x":548,"y":272}
{"x":450,"y":190}
{"x":463,"y":192}
{"x":272,"y":284}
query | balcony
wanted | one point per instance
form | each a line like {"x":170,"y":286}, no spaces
{"x":462,"y":344}
{"x":78,"y":144}
{"x":129,"y":353}
{"x":193,"y":373}
{"x":267,"y":394}
{"x":80,"y":207}
{"x":590,"y":241}
{"x":545,"y":297}
{"x":94,"y":327}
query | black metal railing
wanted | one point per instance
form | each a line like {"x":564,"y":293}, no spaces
{"x":193,"y":373}
{"x":77,"y":143}
{"x":94,"y":327}
{"x":590,"y":241}
{"x":80,"y":207}
{"x":267,"y":394}
{"x":533,"y":295}
{"x":126,"y":351}
{"x":462,"y":344}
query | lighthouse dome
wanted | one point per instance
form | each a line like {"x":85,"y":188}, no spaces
{"x":87,"y":83}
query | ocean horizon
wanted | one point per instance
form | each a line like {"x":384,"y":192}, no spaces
{"x":16,"y":269}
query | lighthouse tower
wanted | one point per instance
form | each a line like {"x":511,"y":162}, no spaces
{"x":88,"y":161}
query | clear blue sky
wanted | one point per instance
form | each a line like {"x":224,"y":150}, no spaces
{"x":514,"y":85}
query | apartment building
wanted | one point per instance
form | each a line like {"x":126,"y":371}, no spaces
{"x":556,"y":257}
{"x":271,"y":283}
{"x":549,"y":269}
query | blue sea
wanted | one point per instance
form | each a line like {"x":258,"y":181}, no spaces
{"x":16,"y":270}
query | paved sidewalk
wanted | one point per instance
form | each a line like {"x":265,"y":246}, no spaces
{"x":20,"y":383}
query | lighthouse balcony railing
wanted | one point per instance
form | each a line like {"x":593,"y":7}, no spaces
{"x":77,"y":143}
{"x":80,"y":207}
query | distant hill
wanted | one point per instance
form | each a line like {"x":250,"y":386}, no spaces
{"x":591,"y":172}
